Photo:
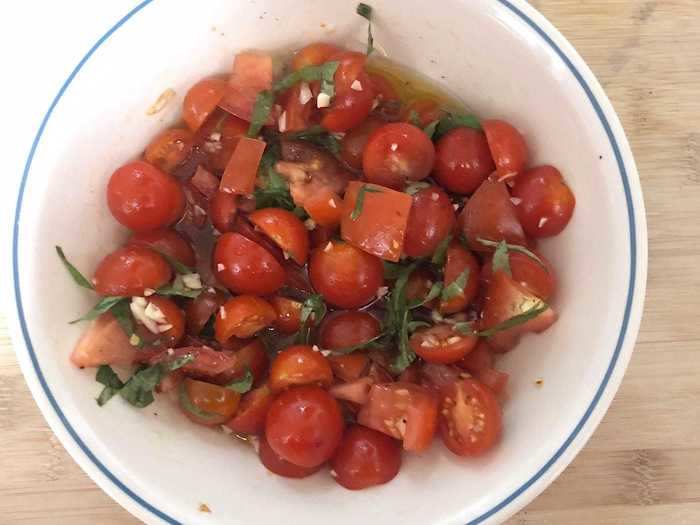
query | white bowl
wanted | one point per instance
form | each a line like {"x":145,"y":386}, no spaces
{"x":504,"y":60}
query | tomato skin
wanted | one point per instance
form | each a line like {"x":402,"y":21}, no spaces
{"x":462,"y":160}
{"x":547,"y":202}
{"x":442,"y":344}
{"x":397,"y":153}
{"x":459,"y":259}
{"x":299,"y":365}
{"x":242,"y":317}
{"x":168,"y":242}
{"x":325,"y":208}
{"x":345,"y":276}
{"x":365,"y":458}
{"x":427,"y":110}
{"x":252,"y":411}
{"x":173,"y":316}
{"x":470,"y":418}
{"x":353,"y":143}
{"x":431,"y":219}
{"x":169,"y":149}
{"x":202,"y":307}
{"x":314,"y":55}
{"x":304,"y":426}
{"x":129,"y":270}
{"x":508,"y":148}
{"x":251,"y":357}
{"x":201,"y":100}
{"x":217,"y":403}
{"x":288,"y":314}
{"x":142,"y":197}
{"x":286,"y":229}
{"x":439,"y":377}
{"x":344,"y":329}
{"x":349,"y":367}
{"x":277,"y":465}
{"x":530,"y":274}
{"x":349,"y":107}
{"x":245,"y":267}
{"x":223,"y":208}
{"x":384,"y":90}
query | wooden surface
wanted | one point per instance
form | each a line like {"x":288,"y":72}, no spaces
{"x":641,"y":466}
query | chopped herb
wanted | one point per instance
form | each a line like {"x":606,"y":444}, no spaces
{"x":319,"y":136}
{"x":178,"y":289}
{"x":414,"y":118}
{"x":179,"y":267}
{"x":138,"y":390}
{"x":360,"y":201}
{"x":391,"y":270}
{"x":208,"y":329}
{"x":261,"y":111}
{"x":430,"y":128}
{"x":406,"y":355}
{"x":537,"y":309}
{"x":501,"y":260}
{"x":274,"y":193}
{"x":415,"y":325}
{"x":243,"y":384}
{"x":365,"y":11}
{"x":112,"y":384}
{"x":415,"y":187}
{"x":78,"y":277}
{"x":313,"y":309}
{"x":122,"y":313}
{"x":464,"y":328}
{"x":514,"y":248}
{"x":434,"y":292}
{"x":451,"y":121}
{"x":456,"y":287}
{"x":398,"y":318}
{"x":104,"y":305}
{"x":370,"y":343}
{"x":440,"y":255}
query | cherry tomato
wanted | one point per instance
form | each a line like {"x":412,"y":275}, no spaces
{"x":508,"y":148}
{"x":365,"y":458}
{"x":345,"y":276}
{"x":470,"y":418}
{"x":130,"y":270}
{"x":251,"y":413}
{"x":169,"y":149}
{"x":431,"y":219}
{"x":246,"y":267}
{"x":384,"y":90}
{"x":142,"y":197}
{"x":299,"y":108}
{"x":201,"y":100}
{"x":353,"y":143}
{"x":304,"y":426}
{"x":103,"y":343}
{"x":546,"y":202}
{"x":207,"y":404}
{"x":275,"y":464}
{"x":403,"y":411}
{"x":425,"y":110}
{"x":174,"y":317}
{"x":202,"y":307}
{"x":299,"y":365}
{"x":419,"y":284}
{"x":442,"y":344}
{"x":314,"y":55}
{"x":349,"y":367}
{"x":538,"y":279}
{"x":344,"y":329}
{"x":460,"y":260}
{"x":325,"y":207}
{"x":286,"y":229}
{"x":354,"y":94}
{"x":223,"y":208}
{"x":288,"y":314}
{"x":166,"y":241}
{"x":244,"y":227}
{"x":462,"y":160}
{"x":243,"y":316}
{"x":251,"y":357}
{"x":396,"y":153}
{"x":218,"y":138}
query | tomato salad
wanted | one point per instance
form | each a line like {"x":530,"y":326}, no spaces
{"x":325,"y":268}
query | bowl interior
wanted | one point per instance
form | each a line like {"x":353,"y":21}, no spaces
{"x":479,"y":49}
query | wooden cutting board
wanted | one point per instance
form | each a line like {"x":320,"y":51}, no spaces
{"x":641,"y":466}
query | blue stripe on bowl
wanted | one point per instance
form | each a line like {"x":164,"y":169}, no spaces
{"x":525,"y":486}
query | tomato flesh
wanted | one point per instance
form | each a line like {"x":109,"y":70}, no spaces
{"x":169,"y":149}
{"x":201,"y":100}
{"x":286,"y":229}
{"x":252,"y":411}
{"x":299,"y":365}
{"x":442,"y":344}
{"x":243,"y":316}
{"x":207,"y":404}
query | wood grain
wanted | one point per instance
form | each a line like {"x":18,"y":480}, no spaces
{"x":640,"y":467}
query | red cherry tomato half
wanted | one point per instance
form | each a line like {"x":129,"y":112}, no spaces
{"x":299,"y":365}
{"x":314,"y":55}
{"x":252,"y":411}
{"x":202,"y":307}
{"x":242,"y":317}
{"x":130,"y":270}
{"x":286,"y":229}
{"x":245,"y":267}
{"x":431,"y":219}
{"x":174,"y":317}
{"x":344,"y":329}
{"x":546,"y":202}
{"x":442,"y":344}
{"x":349,"y":367}
{"x":218,"y":138}
{"x":538,"y":279}
{"x":142,"y":197}
{"x":365,"y":458}
{"x":460,"y":260}
{"x":207,"y":404}
{"x":169,"y":149}
{"x":345,"y":276}
{"x":462,"y":160}
{"x":397,"y":153}
{"x":470,"y":418}
{"x":288,"y":314}
{"x":508,"y":148}
{"x":277,"y":465}
{"x":353,"y":143}
{"x":384,"y":90}
{"x":223,"y":208}
{"x":354,"y":93}
{"x":304,"y":426}
{"x":201,"y":100}
{"x":166,"y":241}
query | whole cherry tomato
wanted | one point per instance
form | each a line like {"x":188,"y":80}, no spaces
{"x":130,"y":270}
{"x":431,"y":219}
{"x":462,"y":160}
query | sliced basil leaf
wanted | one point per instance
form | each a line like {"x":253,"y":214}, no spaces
{"x":274,"y":192}
{"x":430,"y":129}
{"x":112,"y":384}
{"x":464,"y":328}
{"x":313,"y":309}
{"x":78,"y":277}
{"x":415,"y":187}
{"x":456,"y":287}
{"x":365,"y":11}
{"x":440,"y":255}
{"x":103,"y":305}
{"x":243,"y":384}
{"x":406,"y":355}
{"x":360,"y":201}
{"x":538,"y":308}
{"x":451,"y":121}
{"x":501,"y":260}
{"x":122,"y":313}
{"x":178,"y":289}
{"x":319,"y":136}
{"x":434,"y":292}
{"x":370,"y":343}
{"x":514,"y":248}
{"x":261,"y":111}
{"x":138,"y":390}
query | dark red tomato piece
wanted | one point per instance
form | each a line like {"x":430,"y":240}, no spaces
{"x":277,"y":465}
{"x":490,"y":214}
{"x":508,"y":148}
{"x":245,"y":267}
{"x":166,"y":241}
{"x":223,"y":208}
{"x":173,"y":326}
{"x":251,"y":74}
{"x":304,"y":426}
{"x":442,"y":344}
{"x":288,"y":314}
{"x":299,"y":365}
{"x":345,"y":276}
{"x":540,"y":280}
{"x":349,"y":367}
{"x":243,"y":316}
{"x":142,"y":197}
{"x":425,"y":110}
{"x":411,"y":374}
{"x":353,"y":143}
{"x":459,"y":261}
{"x":169,"y":149}
{"x":431,"y":219}
{"x":286,"y":229}
{"x":462,"y":160}
{"x":545,"y":202}
{"x":252,"y":411}
{"x":344,"y":329}
{"x":397,"y":153}
{"x":201,"y":100}
{"x":130,"y":270}
{"x":218,"y":138}
{"x":202,"y":307}
{"x":314,"y":55}
{"x":470,"y":418}
{"x":207,"y":404}
{"x":354,"y":94}
{"x":321,"y":235}
{"x":365,"y":458}
{"x":205,"y":182}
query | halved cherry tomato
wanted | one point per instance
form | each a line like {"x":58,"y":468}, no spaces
{"x":470,"y":418}
{"x":490,"y":214}
{"x":396,"y":153}
{"x":166,"y":241}
{"x":540,"y":280}
{"x":431,"y":219}
{"x":130,"y":270}
{"x":288,"y":314}
{"x":442,"y":344}
{"x":207,"y":404}
{"x":426,"y":110}
{"x":243,"y":316}
{"x":286,"y":229}
{"x":223,"y":208}
{"x":304,"y":426}
{"x":299,"y":365}
{"x":343,"y":329}
{"x":277,"y":465}
{"x":218,"y":138}
{"x":202,"y":307}
{"x":462,"y":160}
{"x":354,"y":94}
{"x":169,"y":149}
{"x":243,"y":226}
{"x":174,"y":317}
{"x":508,"y":148}
{"x":325,"y":208}
{"x":380,"y":227}
{"x":404,"y":411}
{"x":244,"y":266}
{"x":349,"y":367}
{"x":353,"y":143}
{"x":299,"y":108}
{"x":460,"y":260}
{"x":546,"y":202}
{"x":314,"y":55}
{"x":201,"y":100}
{"x":345,"y":276}
{"x":252,"y":411}
{"x":103,"y":343}
{"x":365,"y":458}
{"x":242,"y":168}
{"x":384,"y":90}
{"x":251,"y":74}
{"x":142,"y":197}
{"x":251,"y":357}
